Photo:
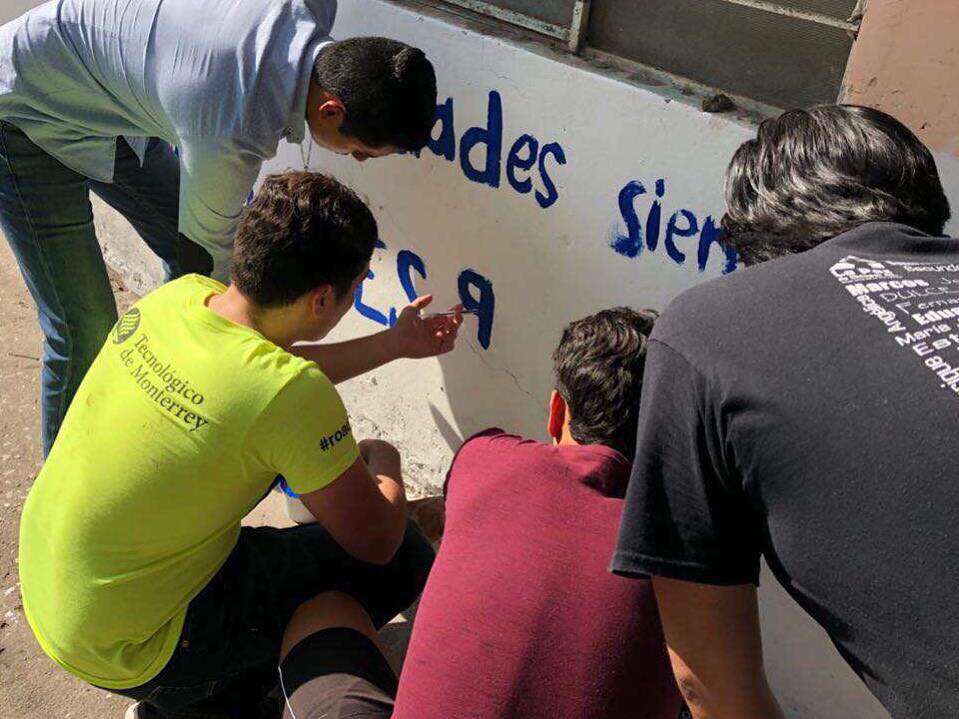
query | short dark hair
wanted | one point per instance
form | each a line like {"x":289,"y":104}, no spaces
{"x":811,"y":175}
{"x":599,"y":367}
{"x":387,"y":87}
{"x":301,"y":231}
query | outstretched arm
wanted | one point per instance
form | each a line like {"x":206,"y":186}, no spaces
{"x":365,"y":508}
{"x":716,"y":649}
{"x":412,"y":337}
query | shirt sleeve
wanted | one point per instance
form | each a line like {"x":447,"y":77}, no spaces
{"x":685,"y":515}
{"x":216,"y":176}
{"x":304,"y":433}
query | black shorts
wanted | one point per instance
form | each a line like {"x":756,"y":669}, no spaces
{"x":226,"y":660}
{"x":337,"y":673}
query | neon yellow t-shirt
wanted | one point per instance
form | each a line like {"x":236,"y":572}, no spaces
{"x":178,"y":429}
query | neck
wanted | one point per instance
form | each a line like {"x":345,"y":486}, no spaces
{"x":273,"y":324}
{"x":566,"y":438}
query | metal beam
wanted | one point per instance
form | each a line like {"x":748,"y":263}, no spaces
{"x":515,"y":18}
{"x":579,"y":25}
{"x":798,"y":14}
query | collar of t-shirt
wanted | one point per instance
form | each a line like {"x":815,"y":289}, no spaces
{"x":596,"y":466}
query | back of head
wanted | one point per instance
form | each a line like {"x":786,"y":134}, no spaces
{"x":387,"y":87}
{"x":811,"y":175}
{"x":599,"y":372}
{"x":301,"y":231}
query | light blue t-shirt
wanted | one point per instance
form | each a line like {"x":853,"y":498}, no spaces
{"x":223,"y":80}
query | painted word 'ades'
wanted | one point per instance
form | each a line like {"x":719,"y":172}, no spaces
{"x":526,"y":158}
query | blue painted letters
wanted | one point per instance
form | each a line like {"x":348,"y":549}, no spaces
{"x":408,"y":261}
{"x":551,"y":195}
{"x":484,"y":304}
{"x":682,"y":223}
{"x":515,"y":160}
{"x":445,"y":144}
{"x":481,"y":150}
{"x":492,"y":137}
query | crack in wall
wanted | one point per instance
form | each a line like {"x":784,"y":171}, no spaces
{"x":511,"y":375}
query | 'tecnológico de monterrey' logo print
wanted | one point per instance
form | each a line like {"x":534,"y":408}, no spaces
{"x":126,"y":326}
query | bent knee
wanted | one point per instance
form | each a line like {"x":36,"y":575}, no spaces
{"x":325,"y":611}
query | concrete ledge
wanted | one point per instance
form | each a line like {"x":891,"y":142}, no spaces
{"x":124,"y":250}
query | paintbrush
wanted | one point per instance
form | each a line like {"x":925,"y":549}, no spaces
{"x":449,"y":313}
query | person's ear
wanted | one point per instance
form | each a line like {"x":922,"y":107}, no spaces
{"x":557,"y":416}
{"x":332,"y":109}
{"x":321,"y":300}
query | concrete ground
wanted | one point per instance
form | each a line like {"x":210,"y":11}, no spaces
{"x":31,"y":685}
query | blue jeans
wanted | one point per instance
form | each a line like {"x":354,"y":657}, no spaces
{"x":47,"y":218}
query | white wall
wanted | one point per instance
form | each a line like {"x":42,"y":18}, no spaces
{"x":545,"y":266}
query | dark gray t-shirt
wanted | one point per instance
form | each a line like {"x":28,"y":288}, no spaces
{"x":807,"y":410}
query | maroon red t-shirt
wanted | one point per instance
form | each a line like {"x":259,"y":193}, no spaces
{"x":520,"y":616}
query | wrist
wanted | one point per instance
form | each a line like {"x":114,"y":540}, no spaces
{"x":392,"y":344}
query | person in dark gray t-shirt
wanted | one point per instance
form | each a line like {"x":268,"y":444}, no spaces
{"x":807,"y":411}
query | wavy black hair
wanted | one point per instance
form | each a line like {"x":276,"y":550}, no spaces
{"x":811,"y":175}
{"x":598,"y":368}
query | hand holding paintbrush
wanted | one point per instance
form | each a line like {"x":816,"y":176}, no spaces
{"x":426,"y":335}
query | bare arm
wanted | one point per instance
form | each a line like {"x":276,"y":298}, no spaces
{"x":341,"y":361}
{"x":365,"y":507}
{"x":412,"y":336}
{"x":715,"y":648}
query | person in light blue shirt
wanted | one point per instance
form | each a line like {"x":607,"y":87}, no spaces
{"x":166,"y":109}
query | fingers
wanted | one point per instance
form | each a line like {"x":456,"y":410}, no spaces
{"x":443,"y":326}
{"x":457,"y":318}
{"x":420,"y":302}
{"x":446,"y":342}
{"x":447,"y":332}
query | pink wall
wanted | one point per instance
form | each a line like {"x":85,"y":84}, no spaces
{"x":906,"y":63}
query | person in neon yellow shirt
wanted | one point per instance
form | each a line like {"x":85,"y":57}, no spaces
{"x":135,"y":572}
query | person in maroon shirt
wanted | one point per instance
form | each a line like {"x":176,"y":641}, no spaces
{"x":520,"y":617}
